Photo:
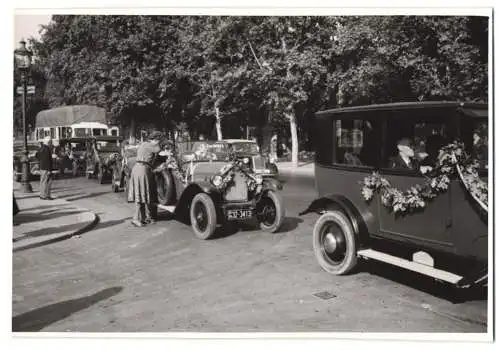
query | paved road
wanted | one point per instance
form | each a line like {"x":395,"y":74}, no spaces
{"x":118,"y":278}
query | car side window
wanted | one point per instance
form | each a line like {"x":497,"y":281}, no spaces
{"x":356,"y":143}
{"x":411,"y":143}
{"x":480,"y":143}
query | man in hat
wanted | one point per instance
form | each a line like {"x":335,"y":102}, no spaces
{"x":44,"y":156}
{"x":405,"y":159}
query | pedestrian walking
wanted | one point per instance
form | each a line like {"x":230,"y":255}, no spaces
{"x":44,"y":156}
{"x":142,"y":188}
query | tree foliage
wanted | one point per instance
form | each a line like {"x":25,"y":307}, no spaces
{"x":204,"y":70}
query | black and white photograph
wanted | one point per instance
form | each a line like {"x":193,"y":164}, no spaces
{"x":217,"y":173}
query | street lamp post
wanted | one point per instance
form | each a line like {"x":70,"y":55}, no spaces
{"x":23,"y":63}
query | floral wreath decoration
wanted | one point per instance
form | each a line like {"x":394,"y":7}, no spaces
{"x":451,"y":160}
{"x":225,"y":177}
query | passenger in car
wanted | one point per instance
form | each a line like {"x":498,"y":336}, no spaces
{"x":405,"y":158}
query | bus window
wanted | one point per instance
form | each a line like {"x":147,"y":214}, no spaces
{"x":79,"y":132}
{"x":99,"y":132}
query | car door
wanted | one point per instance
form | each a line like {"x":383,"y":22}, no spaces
{"x":429,"y":226}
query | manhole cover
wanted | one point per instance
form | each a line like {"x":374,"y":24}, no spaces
{"x":325,"y":295}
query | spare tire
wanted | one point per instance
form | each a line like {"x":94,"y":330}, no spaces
{"x":165,"y":187}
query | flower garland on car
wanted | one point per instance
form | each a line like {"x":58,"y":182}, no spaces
{"x":173,"y":164}
{"x":228,"y":172}
{"x":452,"y":159}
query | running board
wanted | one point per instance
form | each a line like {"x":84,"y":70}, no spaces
{"x":410,"y":265}
{"x":169,"y":208}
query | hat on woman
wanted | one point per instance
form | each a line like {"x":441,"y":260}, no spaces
{"x":155,"y":135}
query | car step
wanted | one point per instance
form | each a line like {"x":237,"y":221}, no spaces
{"x":410,"y":265}
{"x":170,"y":208}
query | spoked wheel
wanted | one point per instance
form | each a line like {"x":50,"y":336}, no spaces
{"x":270,"y":212}
{"x":335,"y":243}
{"x":203,"y":216}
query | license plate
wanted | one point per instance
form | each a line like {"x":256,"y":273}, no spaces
{"x":239,"y":214}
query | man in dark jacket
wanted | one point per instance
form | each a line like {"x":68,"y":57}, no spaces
{"x":44,"y":156}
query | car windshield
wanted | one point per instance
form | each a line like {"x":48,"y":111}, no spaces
{"x":245,"y":147}
{"x":204,"y":150}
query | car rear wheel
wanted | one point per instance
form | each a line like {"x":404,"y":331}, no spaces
{"x":270,"y":212}
{"x":335,"y":243}
{"x":203,"y":216}
{"x":165,"y":187}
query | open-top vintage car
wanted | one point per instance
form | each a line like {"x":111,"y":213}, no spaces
{"x":102,"y":155}
{"x":202,"y":185}
{"x":404,"y":184}
{"x":249,"y":152}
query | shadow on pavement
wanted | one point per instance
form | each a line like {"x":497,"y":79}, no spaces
{"x":49,"y":231}
{"x":38,"y":319}
{"x":290,"y":224}
{"x":110,"y":223}
{"x":24,"y":218}
{"x":71,"y":198}
{"x":424,"y":283}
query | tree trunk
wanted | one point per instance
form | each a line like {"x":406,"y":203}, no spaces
{"x":295,"y":140}
{"x":218,"y":125}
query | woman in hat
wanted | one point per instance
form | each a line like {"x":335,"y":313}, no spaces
{"x":142,"y":188}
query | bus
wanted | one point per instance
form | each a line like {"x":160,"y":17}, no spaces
{"x":72,"y":121}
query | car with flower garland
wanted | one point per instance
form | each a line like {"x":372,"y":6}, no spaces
{"x":248,"y":151}
{"x":405,"y":184}
{"x":205,"y":186}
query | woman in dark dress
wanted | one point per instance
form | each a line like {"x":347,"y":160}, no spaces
{"x":142,"y":188}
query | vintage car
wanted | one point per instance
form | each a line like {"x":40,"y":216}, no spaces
{"x":203,"y":186}
{"x":249,"y":152}
{"x":70,"y":159}
{"x":102,"y":155}
{"x":444,"y":235}
{"x":18,"y":155}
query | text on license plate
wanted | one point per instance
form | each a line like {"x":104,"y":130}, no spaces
{"x":238,"y":214}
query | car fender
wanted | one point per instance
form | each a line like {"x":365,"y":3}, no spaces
{"x":271,"y":184}
{"x":337,"y":202}
{"x":184,"y":203}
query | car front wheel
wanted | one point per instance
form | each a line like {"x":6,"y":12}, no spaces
{"x":335,"y":243}
{"x":203,"y":216}
{"x":270,"y":212}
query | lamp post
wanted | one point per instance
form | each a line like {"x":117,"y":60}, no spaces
{"x":23,"y":63}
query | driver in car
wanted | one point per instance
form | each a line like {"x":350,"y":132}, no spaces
{"x":406,"y":156}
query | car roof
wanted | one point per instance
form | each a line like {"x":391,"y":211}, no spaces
{"x":472,"y":109}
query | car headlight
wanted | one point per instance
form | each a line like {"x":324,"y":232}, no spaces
{"x":258,"y":179}
{"x":217,"y":180}
{"x":246,"y":160}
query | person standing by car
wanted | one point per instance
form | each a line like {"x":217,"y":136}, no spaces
{"x":44,"y":156}
{"x":142,"y":188}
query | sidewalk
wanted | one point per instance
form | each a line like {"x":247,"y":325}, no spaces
{"x":40,"y":222}
{"x":304,"y":169}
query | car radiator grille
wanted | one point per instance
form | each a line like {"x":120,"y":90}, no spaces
{"x":238,"y":189}
{"x":258,"y":163}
